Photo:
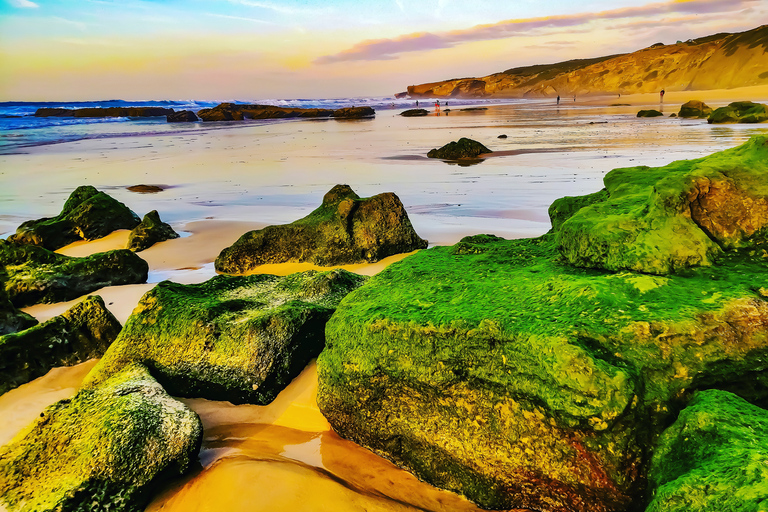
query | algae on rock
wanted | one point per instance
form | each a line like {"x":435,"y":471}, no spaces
{"x":695,"y":108}
{"x":107,"y":448}
{"x":236,"y":338}
{"x":31,"y":274}
{"x":463,"y":148}
{"x":740,"y":112}
{"x":150,"y":231}
{"x":12,"y":319}
{"x":344,"y":229}
{"x":88,"y":214}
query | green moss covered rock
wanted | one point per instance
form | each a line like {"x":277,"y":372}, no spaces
{"x":344,"y":229}
{"x":108,"y":448}
{"x":82,"y":332}
{"x":649,"y":113}
{"x":456,"y":150}
{"x":150,"y":231}
{"x":695,"y":108}
{"x":88,"y":214}
{"x":496,"y":369}
{"x":12,"y":319}
{"x":740,"y":112}
{"x":31,"y":274}
{"x":713,"y":458}
{"x":665,"y":219}
{"x":236,"y":338}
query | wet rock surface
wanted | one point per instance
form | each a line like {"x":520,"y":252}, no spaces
{"x":740,"y":112}
{"x":456,"y":150}
{"x":150,"y":231}
{"x":238,"y":112}
{"x":649,"y":113}
{"x":104,"y":112}
{"x":414,"y":112}
{"x":695,"y":109}
{"x":12,"y":319}
{"x":183,"y":116}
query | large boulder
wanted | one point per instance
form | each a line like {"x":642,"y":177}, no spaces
{"x":344,"y":229}
{"x":496,"y":369}
{"x":414,"y":112}
{"x":88,"y":214}
{"x":740,"y":112}
{"x":463,"y":148}
{"x":649,"y":113}
{"x":353,"y":113}
{"x":665,"y":219}
{"x":182,"y":116}
{"x":108,"y":448}
{"x":150,"y":231}
{"x":82,"y":332}
{"x":713,"y":458}
{"x":236,"y":338}
{"x":31,"y":274}
{"x":695,"y":108}
{"x":11,"y":318}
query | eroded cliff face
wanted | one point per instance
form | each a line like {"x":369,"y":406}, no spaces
{"x":721,"y":61}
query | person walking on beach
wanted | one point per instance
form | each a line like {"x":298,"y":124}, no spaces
{"x":437,"y":106}
{"x":558,"y":99}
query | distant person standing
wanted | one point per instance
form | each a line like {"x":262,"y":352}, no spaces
{"x":437,"y":106}
{"x":661,"y":96}
{"x":574,"y":98}
{"x":558,"y":99}
{"x":417,"y":103}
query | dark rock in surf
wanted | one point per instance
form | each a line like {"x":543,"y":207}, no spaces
{"x":183,"y":116}
{"x":463,"y":148}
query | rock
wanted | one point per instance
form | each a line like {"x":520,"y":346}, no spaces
{"x":236,"y":338}
{"x":145,"y":189}
{"x":649,"y":113}
{"x":32,"y":274}
{"x":473,"y":109}
{"x":672,"y":115}
{"x":104,"y":112}
{"x":344,"y":229}
{"x":502,"y":136}
{"x":463,"y":148}
{"x":414,"y":112}
{"x":740,"y":112}
{"x":495,"y":369}
{"x":695,"y":108}
{"x":564,"y":208}
{"x":151,"y":231}
{"x":108,"y":448}
{"x":712,"y":458}
{"x":665,"y":219}
{"x":238,"y":112}
{"x":220,"y":113}
{"x":353,"y":113}
{"x":88,"y":214}
{"x":12,"y":319}
{"x":83,"y":332}
{"x":183,"y":116}
{"x":401,"y":95}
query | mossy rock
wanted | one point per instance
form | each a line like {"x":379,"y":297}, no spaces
{"x":31,"y":274}
{"x":236,"y":338}
{"x":650,"y":113}
{"x":666,"y":219}
{"x":83,"y":332}
{"x":712,"y":458}
{"x":344,"y":229}
{"x":563,"y":208}
{"x":87,"y":215}
{"x":12,"y":319}
{"x":150,"y":231}
{"x":495,"y":369}
{"x":414,"y":112}
{"x":456,"y":150}
{"x":740,"y":112}
{"x":108,"y":448}
{"x":695,"y":108}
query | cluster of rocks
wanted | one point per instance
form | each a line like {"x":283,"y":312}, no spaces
{"x":104,"y":112}
{"x":736,"y":112}
{"x":238,"y":112}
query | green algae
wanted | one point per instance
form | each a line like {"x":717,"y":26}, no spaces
{"x":150,"y":231}
{"x":462,"y":148}
{"x":695,"y":109}
{"x":12,"y":319}
{"x":236,"y":338}
{"x":107,"y":448}
{"x":713,"y":458}
{"x":649,"y":113}
{"x":740,"y":112}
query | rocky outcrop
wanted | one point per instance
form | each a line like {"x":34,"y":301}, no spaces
{"x":81,"y":333}
{"x":31,"y":274}
{"x":740,"y":112}
{"x":108,"y":448}
{"x":414,"y":112}
{"x":104,"y":112}
{"x":649,"y":113}
{"x":496,"y":369}
{"x":665,"y":219}
{"x":344,"y":229}
{"x":463,"y":148}
{"x":12,"y":319}
{"x":353,"y":113}
{"x":150,"y":231}
{"x":241,"y":338}
{"x":238,"y":112}
{"x":720,"y":61}
{"x":88,"y":214}
{"x":695,"y":108}
{"x":712,"y":458}
{"x":183,"y":116}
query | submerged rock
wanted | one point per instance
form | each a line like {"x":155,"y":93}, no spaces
{"x":414,"y":112}
{"x":31,"y":274}
{"x":463,"y":148}
{"x":712,"y":458}
{"x":108,"y":448}
{"x":88,"y":214}
{"x":695,"y":108}
{"x":664,"y":219}
{"x":649,"y":113}
{"x":150,"y":231}
{"x":12,"y":319}
{"x":236,"y":338}
{"x":83,"y":332}
{"x":344,"y":229}
{"x":740,"y":112}
{"x":183,"y":116}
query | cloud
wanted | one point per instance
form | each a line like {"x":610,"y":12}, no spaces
{"x":388,"y":49}
{"x":23,"y":4}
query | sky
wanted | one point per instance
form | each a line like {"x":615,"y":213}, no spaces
{"x":218,"y":50}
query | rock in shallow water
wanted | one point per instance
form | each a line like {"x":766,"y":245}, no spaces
{"x":150,"y":231}
{"x":236,"y":338}
{"x":463,"y":148}
{"x":649,"y":113}
{"x":695,"y":108}
{"x":344,"y":229}
{"x":107,"y":448}
{"x":740,"y":112}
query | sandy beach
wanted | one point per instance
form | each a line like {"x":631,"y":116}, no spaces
{"x":224,"y":180}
